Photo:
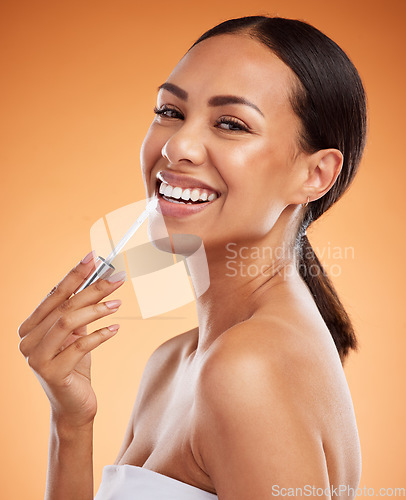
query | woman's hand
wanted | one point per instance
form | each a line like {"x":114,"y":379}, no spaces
{"x":57,"y":348}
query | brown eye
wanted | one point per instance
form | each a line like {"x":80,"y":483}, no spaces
{"x":232,"y":124}
{"x":168,"y":112}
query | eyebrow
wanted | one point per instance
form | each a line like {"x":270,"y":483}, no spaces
{"x":175,"y":90}
{"x":219,"y":100}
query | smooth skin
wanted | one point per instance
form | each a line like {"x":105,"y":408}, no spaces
{"x":255,"y":399}
{"x":270,"y":405}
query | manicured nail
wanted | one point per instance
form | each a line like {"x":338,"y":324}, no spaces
{"x":113,"y":304}
{"x":120,"y":276}
{"x":88,"y":257}
{"x":113,"y":328}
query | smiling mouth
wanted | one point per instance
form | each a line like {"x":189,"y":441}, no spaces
{"x":184,"y":196}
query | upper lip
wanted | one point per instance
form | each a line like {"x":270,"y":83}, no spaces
{"x":183,"y":181}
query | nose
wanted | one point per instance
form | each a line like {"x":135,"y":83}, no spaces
{"x":185,"y":145}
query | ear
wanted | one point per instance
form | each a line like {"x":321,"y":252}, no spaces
{"x":323,"y":169}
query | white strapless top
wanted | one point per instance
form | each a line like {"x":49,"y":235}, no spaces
{"x":130,"y":482}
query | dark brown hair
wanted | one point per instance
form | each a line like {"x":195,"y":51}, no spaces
{"x":330,"y":102}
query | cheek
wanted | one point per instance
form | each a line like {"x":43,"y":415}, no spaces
{"x":254,"y":167}
{"x":256,"y":175}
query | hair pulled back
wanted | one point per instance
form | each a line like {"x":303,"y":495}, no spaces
{"x":330,"y":101}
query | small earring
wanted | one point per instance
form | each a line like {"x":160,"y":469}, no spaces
{"x":304,"y":205}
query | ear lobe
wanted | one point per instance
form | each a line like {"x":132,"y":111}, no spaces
{"x":323,"y":172}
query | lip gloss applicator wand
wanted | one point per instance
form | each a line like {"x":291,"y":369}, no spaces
{"x":105,"y":269}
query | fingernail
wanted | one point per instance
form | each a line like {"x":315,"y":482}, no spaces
{"x":113,"y":328}
{"x":113,"y":304}
{"x":88,"y":257}
{"x":120,"y":276}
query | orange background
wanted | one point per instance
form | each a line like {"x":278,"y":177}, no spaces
{"x":78,"y":86}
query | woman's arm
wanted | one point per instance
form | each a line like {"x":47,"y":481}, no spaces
{"x":70,"y":462}
{"x":256,"y":432}
{"x":57,"y":348}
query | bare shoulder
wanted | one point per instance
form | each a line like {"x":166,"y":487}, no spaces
{"x":282,"y":350}
{"x":176,"y":345}
{"x":267,"y":397}
{"x":273,"y":358}
{"x":166,"y":357}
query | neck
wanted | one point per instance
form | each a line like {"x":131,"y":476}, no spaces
{"x":243,"y":280}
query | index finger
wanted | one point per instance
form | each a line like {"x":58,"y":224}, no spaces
{"x":61,"y":292}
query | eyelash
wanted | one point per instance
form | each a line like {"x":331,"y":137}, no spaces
{"x":224,"y":119}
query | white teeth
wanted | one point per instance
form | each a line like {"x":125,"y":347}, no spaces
{"x":194,"y":195}
{"x":176,"y":201}
{"x":186,"y":194}
{"x":168,"y":190}
{"x":177,"y":192}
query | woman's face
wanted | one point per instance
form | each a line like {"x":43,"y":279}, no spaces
{"x":225,"y":132}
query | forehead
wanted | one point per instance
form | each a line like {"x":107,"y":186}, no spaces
{"x":234,"y":64}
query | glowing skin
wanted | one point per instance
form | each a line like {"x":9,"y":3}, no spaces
{"x":252,"y":169}
{"x":260,"y":339}
{"x":247,"y":153}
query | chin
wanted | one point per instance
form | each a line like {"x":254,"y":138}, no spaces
{"x":180,"y":243}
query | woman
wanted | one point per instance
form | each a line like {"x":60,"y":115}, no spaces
{"x":259,"y":129}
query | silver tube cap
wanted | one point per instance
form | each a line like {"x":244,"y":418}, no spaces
{"x":103,"y":271}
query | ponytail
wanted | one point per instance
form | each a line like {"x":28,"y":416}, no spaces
{"x":329,"y":99}
{"x":326,"y":299}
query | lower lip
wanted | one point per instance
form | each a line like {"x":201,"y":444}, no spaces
{"x":167,"y":208}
